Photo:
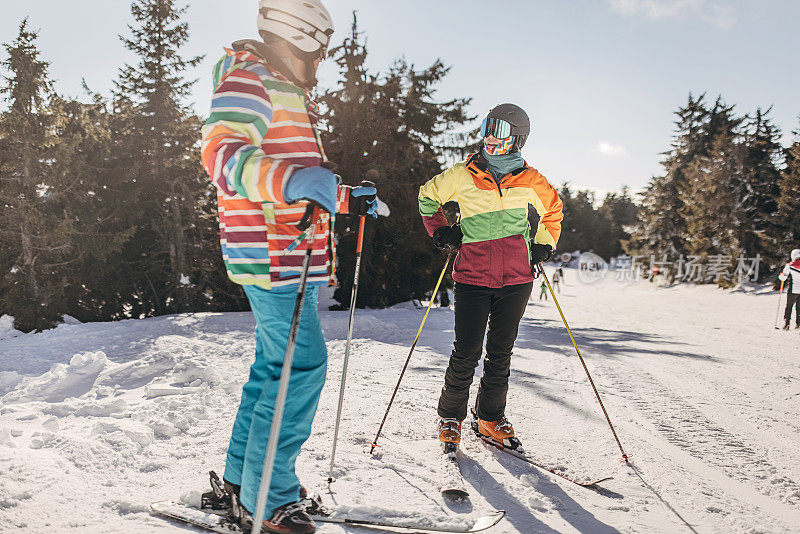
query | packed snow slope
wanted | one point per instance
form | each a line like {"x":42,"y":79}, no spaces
{"x":99,"y":420}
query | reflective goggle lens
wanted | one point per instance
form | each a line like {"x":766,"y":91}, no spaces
{"x":496,"y":128}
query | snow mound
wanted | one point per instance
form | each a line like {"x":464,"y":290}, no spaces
{"x":130,"y":433}
{"x":7,"y":330}
{"x":87,"y":407}
{"x":752,"y":288}
{"x":8,"y":381}
{"x":63,"y":381}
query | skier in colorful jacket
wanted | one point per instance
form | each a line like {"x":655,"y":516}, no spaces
{"x":792,"y":269}
{"x":494,"y":268}
{"x":262,"y":150}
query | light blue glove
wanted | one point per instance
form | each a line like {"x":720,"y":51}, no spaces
{"x":363,"y":201}
{"x":315,"y":184}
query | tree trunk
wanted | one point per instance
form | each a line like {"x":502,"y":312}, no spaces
{"x":28,"y":261}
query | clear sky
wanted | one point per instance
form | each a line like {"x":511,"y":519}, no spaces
{"x":599,"y":78}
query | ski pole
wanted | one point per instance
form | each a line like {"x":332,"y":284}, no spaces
{"x":596,"y":393}
{"x":312,"y":216}
{"x":778,"y":313}
{"x":359,"y":246}
{"x":397,"y":387}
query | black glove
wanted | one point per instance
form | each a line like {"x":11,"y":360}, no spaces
{"x":448,"y":237}
{"x":540,"y":253}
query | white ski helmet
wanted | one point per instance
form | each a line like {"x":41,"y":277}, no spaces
{"x":304,"y":23}
{"x":796,"y":254}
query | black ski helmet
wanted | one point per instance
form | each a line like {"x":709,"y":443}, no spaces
{"x":517,"y":118}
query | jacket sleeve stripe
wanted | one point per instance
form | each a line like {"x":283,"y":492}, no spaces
{"x":439,"y":190}
{"x":241,"y":112}
{"x":550,"y":208}
{"x":343,"y":199}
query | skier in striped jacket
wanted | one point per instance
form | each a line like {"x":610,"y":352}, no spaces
{"x":493,"y":269}
{"x":792,"y":270}
{"x":262,"y":150}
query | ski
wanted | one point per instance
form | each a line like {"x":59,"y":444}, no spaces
{"x":524,"y":457}
{"x":452,"y":486}
{"x":186,"y":514}
{"x":218,"y":523}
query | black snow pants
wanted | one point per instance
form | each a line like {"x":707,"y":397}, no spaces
{"x":792,"y":301}
{"x":474,"y":306}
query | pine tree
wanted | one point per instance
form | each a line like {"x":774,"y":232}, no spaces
{"x":759,"y":190}
{"x":663,"y":228}
{"x":710,"y":210}
{"x":166,"y":258}
{"x":620,"y":210}
{"x":585,"y":228}
{"x":31,"y":239}
{"x":394,"y":125}
{"x":720,"y":189}
{"x":787,"y":228}
{"x":96,"y":206}
{"x":709,"y":203}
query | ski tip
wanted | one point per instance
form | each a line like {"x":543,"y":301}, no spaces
{"x":162,"y":505}
{"x":488,"y":521}
{"x":596,"y":482}
{"x":455,"y":494}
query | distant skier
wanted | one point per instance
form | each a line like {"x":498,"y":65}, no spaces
{"x":792,"y":270}
{"x":557,"y":281}
{"x":654,"y":272}
{"x":493,"y":269}
{"x":560,"y":272}
{"x":543,"y":291}
{"x":261,"y":148}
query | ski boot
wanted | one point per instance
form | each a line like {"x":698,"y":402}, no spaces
{"x":450,"y":431}
{"x":313,"y":502}
{"x":223,"y":499}
{"x":786,"y":326}
{"x":290,"y":518}
{"x":499,"y":433}
{"x":220,"y":497}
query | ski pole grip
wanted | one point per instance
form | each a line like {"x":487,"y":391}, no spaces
{"x":311,"y":214}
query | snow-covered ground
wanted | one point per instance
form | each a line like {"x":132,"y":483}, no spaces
{"x":703,"y":391}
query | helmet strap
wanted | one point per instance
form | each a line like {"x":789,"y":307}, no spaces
{"x":285,"y":65}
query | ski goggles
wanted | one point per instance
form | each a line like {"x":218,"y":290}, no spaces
{"x":497,"y":128}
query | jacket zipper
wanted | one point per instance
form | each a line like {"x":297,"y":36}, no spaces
{"x":500,"y":191}
{"x":502,"y":259}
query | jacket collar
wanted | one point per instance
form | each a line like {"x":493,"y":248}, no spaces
{"x":256,"y":51}
{"x":479,"y":168}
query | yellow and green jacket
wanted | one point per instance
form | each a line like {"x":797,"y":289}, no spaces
{"x":495,"y":250}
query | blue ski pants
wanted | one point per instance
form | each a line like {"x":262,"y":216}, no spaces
{"x":273,"y":311}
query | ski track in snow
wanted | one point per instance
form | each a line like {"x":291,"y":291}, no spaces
{"x":99,"y":420}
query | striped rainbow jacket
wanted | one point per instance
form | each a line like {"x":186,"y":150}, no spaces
{"x":261,"y":128}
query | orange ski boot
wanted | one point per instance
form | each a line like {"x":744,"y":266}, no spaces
{"x":450,"y":431}
{"x":501,"y":432}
